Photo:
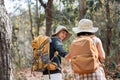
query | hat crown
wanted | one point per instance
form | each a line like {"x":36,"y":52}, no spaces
{"x":85,"y":24}
{"x":59,"y":28}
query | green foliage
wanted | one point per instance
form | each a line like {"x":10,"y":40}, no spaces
{"x":117,"y":75}
{"x":68,"y":15}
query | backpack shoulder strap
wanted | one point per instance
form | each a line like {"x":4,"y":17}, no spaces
{"x":93,"y":37}
{"x":50,"y":40}
{"x":94,"y":41}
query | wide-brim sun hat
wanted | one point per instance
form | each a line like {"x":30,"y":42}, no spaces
{"x":60,"y":28}
{"x":85,"y":25}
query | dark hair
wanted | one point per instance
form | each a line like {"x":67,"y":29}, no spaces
{"x":84,"y":33}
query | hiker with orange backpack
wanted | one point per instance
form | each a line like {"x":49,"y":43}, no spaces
{"x":60,"y":35}
{"x":86,"y":53}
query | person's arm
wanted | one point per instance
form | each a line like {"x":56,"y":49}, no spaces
{"x":100,"y":50}
{"x":59,"y":47}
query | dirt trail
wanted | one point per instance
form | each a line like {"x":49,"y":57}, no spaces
{"x":25,"y":74}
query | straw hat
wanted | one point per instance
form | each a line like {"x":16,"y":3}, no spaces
{"x":60,"y":28}
{"x":85,"y":25}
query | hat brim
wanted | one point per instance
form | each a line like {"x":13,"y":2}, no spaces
{"x":78,"y":30}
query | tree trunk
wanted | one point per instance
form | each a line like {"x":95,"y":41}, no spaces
{"x":31,"y":21}
{"x":82,"y":8}
{"x":5,"y":44}
{"x":49,"y":15}
{"x":108,"y":28}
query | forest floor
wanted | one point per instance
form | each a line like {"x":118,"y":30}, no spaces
{"x":25,"y":74}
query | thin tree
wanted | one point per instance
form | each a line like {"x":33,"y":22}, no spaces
{"x":37,"y":18}
{"x":108,"y":27}
{"x":5,"y":44}
{"x":31,"y":21}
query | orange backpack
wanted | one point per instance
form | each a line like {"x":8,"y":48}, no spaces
{"x":84,"y":55}
{"x":41,"y":54}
